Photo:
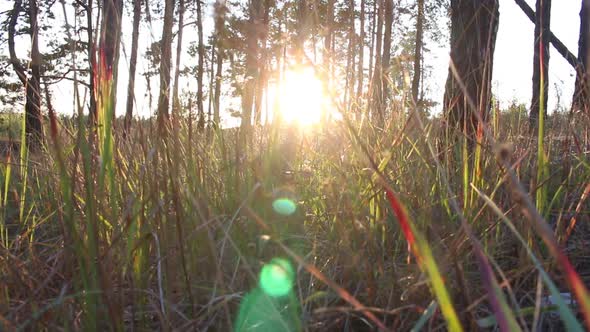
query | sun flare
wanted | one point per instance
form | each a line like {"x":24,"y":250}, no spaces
{"x":302,"y":99}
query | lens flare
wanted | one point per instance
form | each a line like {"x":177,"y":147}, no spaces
{"x":276,"y":277}
{"x":284,"y":206}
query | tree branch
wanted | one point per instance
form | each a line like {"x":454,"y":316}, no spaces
{"x":559,"y":46}
{"x":18,"y":67}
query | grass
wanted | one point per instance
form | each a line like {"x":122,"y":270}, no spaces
{"x":155,"y":233}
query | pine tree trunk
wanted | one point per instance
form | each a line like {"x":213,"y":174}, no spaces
{"x":418,"y":52}
{"x":251,"y":65}
{"x":388,"y":15}
{"x":581,"y":98}
{"x":377,"y":80}
{"x":219,"y":28}
{"x":361,"y":50}
{"x":175,"y":98}
{"x":201,"y":68}
{"x":474,"y":25}
{"x":165,"y":59}
{"x":540,"y":61}
{"x":33,"y":127}
{"x":91,"y":61}
{"x":132,"y":65}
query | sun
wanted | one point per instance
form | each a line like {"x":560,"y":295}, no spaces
{"x":302,"y":99}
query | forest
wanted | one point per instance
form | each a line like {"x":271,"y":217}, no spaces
{"x":288,"y":165}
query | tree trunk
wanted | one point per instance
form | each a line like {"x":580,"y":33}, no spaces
{"x":377,"y":80}
{"x":540,"y":62}
{"x":201,"y":68}
{"x":165,"y":59}
{"x":361,"y":44}
{"x":251,"y":65}
{"x":418,"y":52}
{"x":91,"y":61}
{"x":33,"y":126}
{"x":474,"y":25}
{"x":351,"y":57}
{"x":132,"y":65}
{"x":581,"y":98}
{"x":385,"y":86}
{"x":175,"y":99}
{"x":219,"y":29}
{"x":262,"y":77}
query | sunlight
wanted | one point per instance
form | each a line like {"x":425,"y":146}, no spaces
{"x":302,"y":98}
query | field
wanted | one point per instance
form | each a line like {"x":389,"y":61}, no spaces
{"x":332,"y":227}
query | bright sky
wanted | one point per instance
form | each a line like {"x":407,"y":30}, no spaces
{"x":513,"y":58}
{"x":512,"y":66}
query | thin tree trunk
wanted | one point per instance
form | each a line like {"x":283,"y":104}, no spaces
{"x":581,"y":98}
{"x":261,"y":82}
{"x":540,"y":61}
{"x":372,"y":49}
{"x":132,"y":65}
{"x":388,"y":18}
{"x":361,"y":44}
{"x":377,"y":80}
{"x":91,"y":49}
{"x":201,"y":68}
{"x":418,"y":52}
{"x":474,"y":25}
{"x":251,"y":65}
{"x":220,"y":10}
{"x":175,"y":98}
{"x":165,"y":59}
{"x":33,"y":127}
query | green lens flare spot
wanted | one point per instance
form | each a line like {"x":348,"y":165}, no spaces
{"x":276,"y":277}
{"x":284,"y":206}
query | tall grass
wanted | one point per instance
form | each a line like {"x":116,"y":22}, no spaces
{"x":169,"y":233}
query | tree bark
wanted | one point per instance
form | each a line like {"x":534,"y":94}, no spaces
{"x":91,"y":49}
{"x":32,"y":83}
{"x":388,"y":17}
{"x":220,"y":10}
{"x":474,"y":26}
{"x":418,"y":52}
{"x":165,"y":59}
{"x":540,"y":62}
{"x":132,"y":65}
{"x":175,"y":98}
{"x":377,"y":80}
{"x":251,"y":65}
{"x":201,"y":68}
{"x":360,"y":74}
{"x":581,"y":98}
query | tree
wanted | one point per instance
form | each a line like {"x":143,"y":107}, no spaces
{"x":165,"y":59}
{"x":361,"y":44}
{"x":252,"y":50}
{"x":200,"y":70}
{"x":175,"y":99}
{"x":377,"y":80}
{"x":32,"y":82}
{"x":418,"y":51}
{"x":474,"y":25}
{"x":220,"y":10}
{"x":581,"y":98}
{"x":386,"y":51}
{"x":132,"y":64}
{"x":540,"y":61}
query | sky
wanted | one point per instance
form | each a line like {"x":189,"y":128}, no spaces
{"x":512,"y":76}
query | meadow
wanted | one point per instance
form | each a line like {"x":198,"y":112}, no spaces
{"x":358,"y":228}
